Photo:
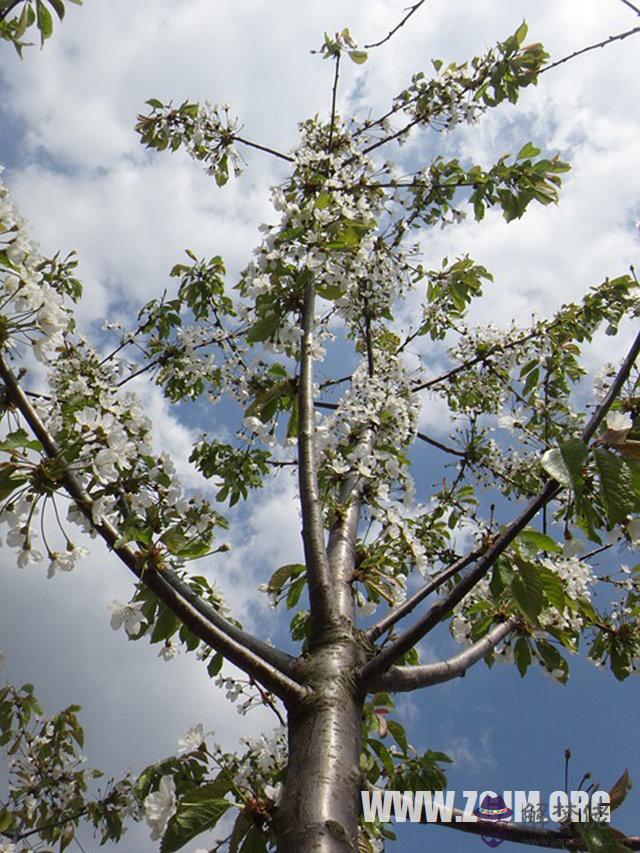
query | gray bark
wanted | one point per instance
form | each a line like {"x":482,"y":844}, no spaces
{"x":321,"y":801}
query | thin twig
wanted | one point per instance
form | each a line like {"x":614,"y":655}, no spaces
{"x":329,"y":382}
{"x":435,"y":443}
{"x":334,"y":99}
{"x":604,"y":43}
{"x":264,"y":148}
{"x":596,"y":551}
{"x":391,"y":33}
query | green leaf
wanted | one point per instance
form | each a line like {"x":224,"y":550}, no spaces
{"x":20,"y":439}
{"x":241,"y":826}
{"x":500,"y":578}
{"x":358,"y":56}
{"x":566,"y":463}
{"x":324,"y":200}
{"x":263,"y":328}
{"x":44,"y":20}
{"x":522,"y":655}
{"x":521,"y":33}
{"x":186,"y":547}
{"x":527,"y":151}
{"x":198,"y":812}
{"x":282,"y":575}
{"x":21,"y":27}
{"x":155,"y":103}
{"x":553,"y":660}
{"x":255,"y":841}
{"x":538,"y":541}
{"x":383,"y":754}
{"x":9,"y":483}
{"x":58,"y":5}
{"x":295,"y":591}
{"x":600,"y":838}
{"x":398,"y":733}
{"x":526,"y":587}
{"x":553,"y":588}
{"x":574,"y":454}
{"x":616,"y":485}
{"x":166,"y":625}
{"x":330,"y":292}
{"x":215,"y":665}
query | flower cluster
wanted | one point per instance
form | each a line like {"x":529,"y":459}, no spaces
{"x":265,"y":759}
{"x":383,"y":407}
{"x":32,"y":310}
{"x":206,"y":131}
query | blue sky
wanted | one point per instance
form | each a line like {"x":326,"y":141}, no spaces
{"x":79,"y":175}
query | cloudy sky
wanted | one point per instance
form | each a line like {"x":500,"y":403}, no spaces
{"x":78,"y":173}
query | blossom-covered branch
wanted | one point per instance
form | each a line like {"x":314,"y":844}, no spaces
{"x":390,"y":653}
{"x":252,"y":655}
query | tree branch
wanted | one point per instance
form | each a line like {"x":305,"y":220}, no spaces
{"x":471,"y":362}
{"x":401,"y":679}
{"x":631,"y":6}
{"x":386,"y":657}
{"x":391,"y":33}
{"x":410,"y":604}
{"x":522,"y":834}
{"x":321,"y":601}
{"x":341,"y":547}
{"x":604,"y":43}
{"x":434,"y":443}
{"x":264,"y":148}
{"x":271,"y":667}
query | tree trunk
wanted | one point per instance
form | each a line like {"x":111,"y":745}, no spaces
{"x":321,"y":800}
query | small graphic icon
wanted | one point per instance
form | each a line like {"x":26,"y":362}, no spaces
{"x":493,"y":808}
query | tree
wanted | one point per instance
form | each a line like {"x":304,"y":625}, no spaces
{"x":332,"y":273}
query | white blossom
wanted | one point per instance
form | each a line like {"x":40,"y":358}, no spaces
{"x":128,"y":616}
{"x":191,"y":740}
{"x":160,"y":806}
{"x":168,"y":651}
{"x":619,"y":421}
